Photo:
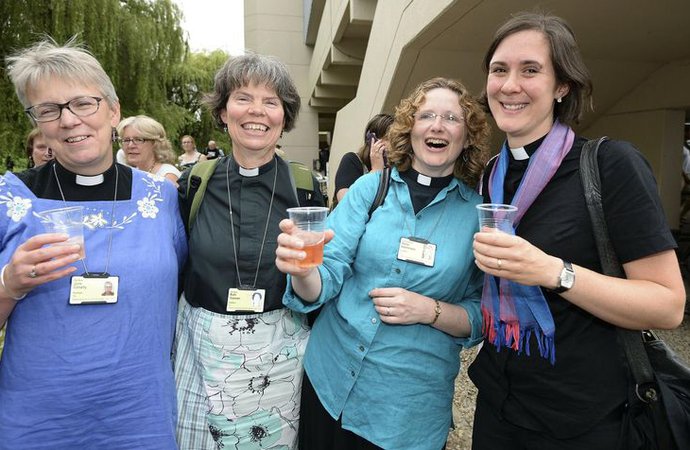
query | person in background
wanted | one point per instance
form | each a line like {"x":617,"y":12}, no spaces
{"x":190,"y":156}
{"x":212,"y":151}
{"x":685,"y":192}
{"x":75,"y":374}
{"x":551,"y":373}
{"x":370,"y":156}
{"x":384,"y":352}
{"x":37,"y":150}
{"x":238,"y":363}
{"x":9,"y":163}
{"x":147,"y":147}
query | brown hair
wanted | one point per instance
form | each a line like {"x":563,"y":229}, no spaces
{"x":470,"y":163}
{"x":567,"y":61}
{"x":378,"y":125}
{"x":29,"y":148}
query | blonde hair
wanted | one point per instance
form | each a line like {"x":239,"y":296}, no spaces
{"x":149,"y":128}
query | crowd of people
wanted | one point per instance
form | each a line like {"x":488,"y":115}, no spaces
{"x":204,"y":341}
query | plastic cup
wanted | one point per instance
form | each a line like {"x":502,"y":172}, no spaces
{"x":69,"y":221}
{"x":496,"y":216}
{"x":311,"y":225}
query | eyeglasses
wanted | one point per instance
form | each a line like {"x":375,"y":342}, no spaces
{"x":136,"y":140}
{"x":447,"y":119}
{"x":80,"y":106}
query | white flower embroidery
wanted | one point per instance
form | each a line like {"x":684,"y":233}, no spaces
{"x":147,"y":207}
{"x":17,"y":207}
{"x":95,"y":221}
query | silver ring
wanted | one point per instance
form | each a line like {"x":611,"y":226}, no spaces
{"x":388,"y":310}
{"x":33,"y":273}
{"x":499,"y":263}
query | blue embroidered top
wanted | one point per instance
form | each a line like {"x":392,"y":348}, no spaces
{"x":392,"y":384}
{"x":95,"y":376}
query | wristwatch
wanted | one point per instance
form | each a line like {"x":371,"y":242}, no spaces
{"x":566,"y":279}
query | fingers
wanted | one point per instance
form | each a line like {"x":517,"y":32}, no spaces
{"x":38,"y":261}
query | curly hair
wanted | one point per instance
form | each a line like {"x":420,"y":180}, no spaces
{"x":470,"y":164}
{"x":149,"y":128}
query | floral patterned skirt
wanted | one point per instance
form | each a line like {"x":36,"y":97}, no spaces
{"x":238,"y":378}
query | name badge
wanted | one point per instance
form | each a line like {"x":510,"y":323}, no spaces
{"x":245,"y":300}
{"x":93,"y":289}
{"x":417,"y":251}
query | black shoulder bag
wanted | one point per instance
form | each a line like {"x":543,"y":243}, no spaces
{"x":658,"y":409}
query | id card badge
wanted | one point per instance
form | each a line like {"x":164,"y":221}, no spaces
{"x":417,"y":251}
{"x":93,"y":289}
{"x":246,"y":300}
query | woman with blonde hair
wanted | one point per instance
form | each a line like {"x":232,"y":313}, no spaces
{"x":147,"y":148}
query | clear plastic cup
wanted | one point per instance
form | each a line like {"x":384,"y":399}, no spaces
{"x":311,"y":224}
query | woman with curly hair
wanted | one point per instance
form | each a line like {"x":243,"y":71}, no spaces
{"x":384,"y":351}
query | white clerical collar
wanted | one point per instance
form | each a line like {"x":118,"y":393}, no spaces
{"x":249,"y":172}
{"x":519,"y":153}
{"x":423,"y":180}
{"x":83,"y":180}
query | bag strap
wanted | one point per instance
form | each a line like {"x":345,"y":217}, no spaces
{"x":300,"y":177}
{"x":382,"y":190}
{"x":196,"y":186}
{"x":640,"y":367}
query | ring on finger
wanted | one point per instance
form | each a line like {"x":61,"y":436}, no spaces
{"x":388,"y":310}
{"x":33,"y":273}
{"x":499,"y":263}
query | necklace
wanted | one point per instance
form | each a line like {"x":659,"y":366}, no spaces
{"x":153,"y":166}
{"x":112,"y":214}
{"x":232,"y":224}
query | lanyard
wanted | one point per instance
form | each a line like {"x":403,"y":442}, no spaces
{"x":112,"y":215}
{"x":232,"y":224}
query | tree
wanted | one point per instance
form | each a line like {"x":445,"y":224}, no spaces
{"x":139,"y":43}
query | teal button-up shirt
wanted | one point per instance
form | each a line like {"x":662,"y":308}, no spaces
{"x":392,"y":384}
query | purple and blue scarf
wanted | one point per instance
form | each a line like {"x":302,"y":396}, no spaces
{"x":513,"y":312}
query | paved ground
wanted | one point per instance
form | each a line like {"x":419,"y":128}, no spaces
{"x":465,"y":392}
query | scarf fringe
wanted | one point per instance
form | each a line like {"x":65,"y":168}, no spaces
{"x":502,"y":334}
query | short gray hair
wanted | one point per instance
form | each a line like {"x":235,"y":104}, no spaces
{"x":70,"y":62}
{"x":251,"y":68}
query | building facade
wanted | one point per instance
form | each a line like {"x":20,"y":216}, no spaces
{"x":352,"y":59}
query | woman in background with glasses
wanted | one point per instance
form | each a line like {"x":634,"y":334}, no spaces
{"x":77,"y":372}
{"x":147,"y":148}
{"x":37,"y":150}
{"x":384,"y":352}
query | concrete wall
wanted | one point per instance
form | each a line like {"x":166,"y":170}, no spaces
{"x":275,"y":27}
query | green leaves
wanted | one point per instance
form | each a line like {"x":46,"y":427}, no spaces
{"x":139,"y":43}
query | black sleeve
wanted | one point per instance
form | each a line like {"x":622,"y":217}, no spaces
{"x":634,"y":215}
{"x":349,"y":170}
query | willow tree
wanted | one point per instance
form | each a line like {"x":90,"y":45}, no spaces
{"x":140,"y":44}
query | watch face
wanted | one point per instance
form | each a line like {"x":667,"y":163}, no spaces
{"x":567,"y":278}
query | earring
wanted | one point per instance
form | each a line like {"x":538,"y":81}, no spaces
{"x":559,"y":99}
{"x":281,"y":134}
{"x":113,"y":135}
{"x":225,"y":129}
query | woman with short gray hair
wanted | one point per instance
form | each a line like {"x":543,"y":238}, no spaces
{"x":239,"y":351}
{"x":80,"y":370}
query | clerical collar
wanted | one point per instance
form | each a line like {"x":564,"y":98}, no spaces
{"x":522,"y":153}
{"x":84,"y":180}
{"x":424,"y":180}
{"x":256,"y":171}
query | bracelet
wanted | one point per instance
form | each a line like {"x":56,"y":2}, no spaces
{"x":4,"y":288}
{"x":437,"y":311}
